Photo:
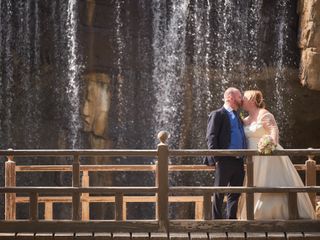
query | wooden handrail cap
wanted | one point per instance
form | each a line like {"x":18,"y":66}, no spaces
{"x":163,"y":136}
{"x":10,"y":157}
{"x":310,"y":157}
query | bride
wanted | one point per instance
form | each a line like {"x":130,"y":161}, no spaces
{"x":270,"y":171}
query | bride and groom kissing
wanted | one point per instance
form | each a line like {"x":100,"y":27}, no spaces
{"x":226,"y":130}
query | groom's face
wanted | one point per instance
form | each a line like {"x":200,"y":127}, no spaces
{"x":237,"y":99}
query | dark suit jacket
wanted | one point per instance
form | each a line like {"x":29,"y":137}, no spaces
{"x":218,"y":133}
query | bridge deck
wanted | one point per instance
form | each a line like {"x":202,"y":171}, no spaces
{"x":162,"y":236}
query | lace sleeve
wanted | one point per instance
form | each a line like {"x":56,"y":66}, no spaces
{"x":270,"y":125}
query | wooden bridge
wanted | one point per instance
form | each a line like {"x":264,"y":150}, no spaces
{"x":80,"y":194}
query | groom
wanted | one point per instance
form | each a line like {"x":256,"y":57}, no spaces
{"x":225,"y":131}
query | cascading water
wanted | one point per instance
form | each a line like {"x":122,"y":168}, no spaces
{"x":28,"y":52}
{"x":224,"y":38}
{"x":281,"y":104}
{"x":222,"y":45}
{"x":73,"y":74}
{"x":25,"y":60}
{"x":35,"y":74}
{"x":237,"y":40}
{"x":121,"y":116}
{"x":253,"y":39}
{"x":201,"y":97}
{"x":7,"y":71}
{"x":169,"y":64}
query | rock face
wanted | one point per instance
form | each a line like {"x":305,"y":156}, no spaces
{"x":309,"y":43}
{"x":96,"y":106}
{"x":97,"y":103}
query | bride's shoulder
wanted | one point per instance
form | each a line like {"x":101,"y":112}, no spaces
{"x":264,"y":113}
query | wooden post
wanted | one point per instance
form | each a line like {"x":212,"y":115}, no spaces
{"x":311,"y":177}
{"x":85,"y":197}
{"x":250,"y":196}
{"x":10,"y":181}
{"x":207,"y":206}
{"x":292,"y":206}
{"x":156,"y":182}
{"x":76,"y":211}
{"x":118,"y":206}
{"x":198,"y":212}
{"x":162,"y":181}
{"x":124,"y":209}
{"x":48,"y":210}
{"x":33,"y":207}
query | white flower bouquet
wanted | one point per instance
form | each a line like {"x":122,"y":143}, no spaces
{"x":266,"y":145}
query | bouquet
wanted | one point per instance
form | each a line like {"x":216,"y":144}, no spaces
{"x":266,"y":145}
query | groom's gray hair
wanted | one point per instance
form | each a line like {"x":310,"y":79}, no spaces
{"x":230,"y":91}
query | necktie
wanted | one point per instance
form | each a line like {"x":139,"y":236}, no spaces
{"x":244,"y":142}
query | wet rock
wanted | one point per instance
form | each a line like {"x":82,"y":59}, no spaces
{"x":309,"y":43}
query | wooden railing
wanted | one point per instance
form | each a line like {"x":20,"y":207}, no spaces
{"x":86,"y":199}
{"x":161,"y":193}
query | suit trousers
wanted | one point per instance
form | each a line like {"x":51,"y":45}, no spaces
{"x":229,"y":172}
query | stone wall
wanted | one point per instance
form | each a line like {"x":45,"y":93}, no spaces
{"x":309,"y":43}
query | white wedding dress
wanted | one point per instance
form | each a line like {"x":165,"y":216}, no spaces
{"x":273,"y":171}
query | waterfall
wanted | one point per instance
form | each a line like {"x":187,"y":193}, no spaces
{"x":253,"y":40}
{"x":169,"y":64}
{"x":7,"y":72}
{"x":27,"y":42}
{"x":224,"y":37}
{"x":223,"y":46}
{"x":1,"y":35}
{"x":237,"y":40}
{"x":202,"y":97}
{"x":280,"y":79}
{"x":120,"y":42}
{"x":25,"y":58}
{"x":73,"y":73}
{"x":36,"y":79}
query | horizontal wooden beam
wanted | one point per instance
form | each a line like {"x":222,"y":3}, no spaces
{"x":92,"y":168}
{"x":80,"y":152}
{"x":123,"y":168}
{"x":244,"y":226}
{"x":201,"y":190}
{"x":153,"y":153}
{"x":111,"y":199}
{"x":182,"y":190}
{"x":63,"y":226}
{"x":109,"y":168}
{"x":96,"y":226}
{"x":70,"y":190}
{"x":244,"y":152}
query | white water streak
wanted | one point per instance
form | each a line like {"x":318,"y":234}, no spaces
{"x":207,"y":40}
{"x":282,"y":37}
{"x":73,"y":71}
{"x":169,"y":62}
{"x":8,"y":74}
{"x":121,"y":121}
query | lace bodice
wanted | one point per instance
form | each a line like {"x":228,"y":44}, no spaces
{"x":266,"y":125}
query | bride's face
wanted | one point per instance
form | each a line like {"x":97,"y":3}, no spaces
{"x":247,"y":104}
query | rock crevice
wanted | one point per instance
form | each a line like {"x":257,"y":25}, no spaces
{"x":309,"y":43}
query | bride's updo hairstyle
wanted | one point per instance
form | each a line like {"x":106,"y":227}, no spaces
{"x":255,"y":96}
